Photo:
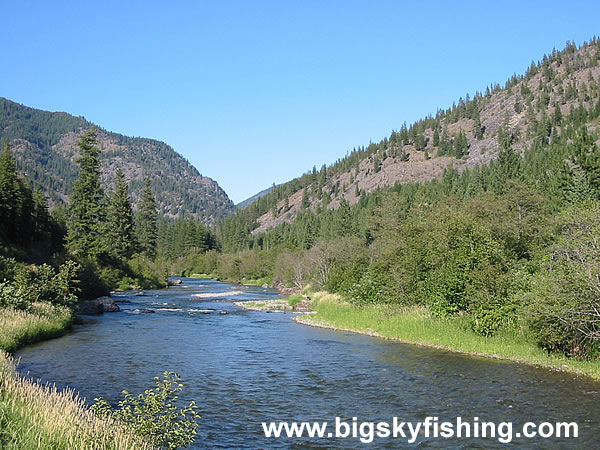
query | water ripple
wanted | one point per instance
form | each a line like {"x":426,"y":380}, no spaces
{"x":247,"y":367}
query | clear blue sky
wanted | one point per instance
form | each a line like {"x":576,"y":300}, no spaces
{"x":256,"y":92}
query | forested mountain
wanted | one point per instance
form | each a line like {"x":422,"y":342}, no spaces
{"x":488,"y":212}
{"x":530,"y":109}
{"x":44,"y":146}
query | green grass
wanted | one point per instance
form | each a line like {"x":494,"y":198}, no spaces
{"x":33,"y":416}
{"x":417,"y":326}
{"x":42,"y":321}
{"x":202,"y":275}
{"x":293,"y":300}
{"x":256,"y":281}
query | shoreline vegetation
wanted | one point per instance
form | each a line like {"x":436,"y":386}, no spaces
{"x":416,"y":326}
{"x":40,"y":416}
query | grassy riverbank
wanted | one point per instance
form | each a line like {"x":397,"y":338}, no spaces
{"x":417,"y":326}
{"x":42,"y":321}
{"x":34,"y":416}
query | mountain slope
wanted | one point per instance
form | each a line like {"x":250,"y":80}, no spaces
{"x":45,"y":146}
{"x":245,"y":203}
{"x":529,"y":109}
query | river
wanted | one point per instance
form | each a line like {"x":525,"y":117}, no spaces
{"x":247,"y":367}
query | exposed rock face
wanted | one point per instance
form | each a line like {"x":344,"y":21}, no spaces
{"x":395,"y":160}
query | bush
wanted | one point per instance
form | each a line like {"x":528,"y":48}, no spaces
{"x":8,"y":266}
{"x":154,"y":274}
{"x":565,"y":308}
{"x":368,"y":291}
{"x":111,"y":276}
{"x":12,"y":297}
{"x":153,"y":415}
{"x":126,"y":283}
{"x":33,"y":284}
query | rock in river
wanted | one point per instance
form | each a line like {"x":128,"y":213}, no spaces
{"x":109,"y":304}
{"x":98,"y":306}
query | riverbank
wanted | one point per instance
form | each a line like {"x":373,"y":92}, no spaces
{"x":416,"y":326}
{"x":43,"y":321}
{"x":33,"y":416}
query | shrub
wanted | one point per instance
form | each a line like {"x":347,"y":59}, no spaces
{"x":12,"y":297}
{"x":367,"y":291}
{"x":33,"y":284}
{"x":565,"y":311}
{"x":153,"y":415}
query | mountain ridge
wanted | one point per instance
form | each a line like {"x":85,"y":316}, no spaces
{"x":528,"y":108}
{"x":45,"y":146}
{"x":247,"y":202}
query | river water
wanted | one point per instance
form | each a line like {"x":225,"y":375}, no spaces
{"x":246,"y":367}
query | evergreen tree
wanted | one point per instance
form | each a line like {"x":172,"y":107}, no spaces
{"x":84,"y":237}
{"x":578,"y":190}
{"x":460,"y":145}
{"x":9,"y":194}
{"x":507,"y":167}
{"x":557,"y":116}
{"x":478,"y":128}
{"x":436,"y":138}
{"x":305,"y":200}
{"x":120,"y":220}
{"x":146,"y":228}
{"x":420,"y":142}
{"x":344,"y":223}
{"x":586,"y":155}
{"x":40,"y":216}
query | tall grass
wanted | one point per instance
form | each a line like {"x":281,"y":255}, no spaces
{"x":42,"y":321}
{"x":418,"y":326}
{"x":33,"y":416}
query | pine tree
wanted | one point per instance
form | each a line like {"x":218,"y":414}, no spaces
{"x":461,"y":145}
{"x":9,"y":194}
{"x":557,"y":117}
{"x":146,"y":228}
{"x":420,"y":142}
{"x":586,"y":155}
{"x":305,"y":200}
{"x":507,"y":167}
{"x":41,"y":217}
{"x":120,"y":220}
{"x":478,"y":128}
{"x":436,"y":138}
{"x":578,"y":190}
{"x":344,"y":223}
{"x":84,"y":237}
